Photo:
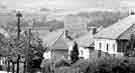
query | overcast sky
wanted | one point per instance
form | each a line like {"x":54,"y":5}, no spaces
{"x":68,"y":4}
{"x":128,"y":3}
{"x":64,"y":4}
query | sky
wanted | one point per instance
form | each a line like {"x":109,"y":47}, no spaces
{"x":128,"y":3}
{"x":63,"y":4}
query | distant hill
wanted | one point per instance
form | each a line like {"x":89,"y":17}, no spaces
{"x":97,"y":19}
{"x":105,"y":18}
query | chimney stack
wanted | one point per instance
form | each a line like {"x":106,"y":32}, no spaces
{"x":132,"y":12}
{"x":93,"y":30}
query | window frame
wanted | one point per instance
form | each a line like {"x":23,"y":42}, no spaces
{"x":100,"y":46}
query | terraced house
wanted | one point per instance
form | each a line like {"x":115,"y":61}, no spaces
{"x":115,"y":38}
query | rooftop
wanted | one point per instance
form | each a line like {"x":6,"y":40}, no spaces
{"x":115,"y":30}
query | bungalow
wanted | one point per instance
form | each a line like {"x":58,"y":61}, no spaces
{"x":114,"y":39}
{"x":56,"y":43}
{"x":85,"y":43}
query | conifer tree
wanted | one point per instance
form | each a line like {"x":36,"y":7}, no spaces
{"x":74,"y":53}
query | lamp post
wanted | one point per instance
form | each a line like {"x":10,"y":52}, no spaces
{"x":18,"y":15}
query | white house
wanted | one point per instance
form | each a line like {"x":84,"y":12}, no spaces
{"x":114,"y":39}
{"x":57,"y":44}
{"x":47,"y":55}
{"x":83,"y":52}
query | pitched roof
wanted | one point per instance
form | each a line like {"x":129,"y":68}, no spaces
{"x":115,"y":30}
{"x":50,"y":37}
{"x":56,"y":40}
{"x":4,"y":32}
{"x":86,"y":40}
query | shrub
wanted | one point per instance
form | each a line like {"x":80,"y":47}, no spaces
{"x":67,"y":70}
{"x":101,"y":65}
{"x":81,"y":65}
{"x":46,"y":66}
{"x":74,"y":53}
{"x":61,"y":63}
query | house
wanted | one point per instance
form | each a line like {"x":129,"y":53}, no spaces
{"x":85,"y":43}
{"x":114,"y":39}
{"x":56,"y":43}
{"x":83,"y":52}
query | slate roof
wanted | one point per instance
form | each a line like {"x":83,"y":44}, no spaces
{"x":4,"y":32}
{"x":116,"y":29}
{"x":56,"y":40}
{"x":86,"y":40}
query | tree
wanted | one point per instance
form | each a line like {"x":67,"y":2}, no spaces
{"x":36,"y":55}
{"x":74,"y":53}
{"x":13,"y":47}
{"x":130,"y":51}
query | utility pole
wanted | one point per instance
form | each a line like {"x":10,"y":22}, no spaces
{"x":27,"y":55}
{"x":18,"y":15}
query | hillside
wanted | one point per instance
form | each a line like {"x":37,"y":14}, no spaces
{"x":97,"y":19}
{"x":102,"y":18}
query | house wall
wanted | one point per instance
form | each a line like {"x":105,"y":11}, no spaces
{"x":60,"y":53}
{"x":83,"y":52}
{"x":106,"y":45}
{"x":56,"y":54}
{"x":47,"y":55}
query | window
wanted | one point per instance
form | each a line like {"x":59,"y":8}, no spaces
{"x":107,"y":47}
{"x":81,"y":52}
{"x":100,"y":45}
{"x":114,"y":47}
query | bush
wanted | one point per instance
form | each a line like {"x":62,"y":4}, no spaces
{"x":111,"y":65}
{"x":61,"y":63}
{"x":46,"y":66}
{"x":103,"y":64}
{"x":97,"y":65}
{"x":81,"y":65}
{"x":67,"y":70}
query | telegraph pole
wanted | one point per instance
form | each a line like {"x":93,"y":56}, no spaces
{"x":28,"y":47}
{"x":18,"y":15}
{"x":27,"y":55}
